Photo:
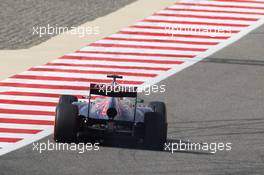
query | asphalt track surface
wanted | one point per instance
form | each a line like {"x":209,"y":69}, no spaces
{"x":210,"y":101}
{"x":219,"y":99}
{"x":207,"y":102}
{"x":26,"y":14}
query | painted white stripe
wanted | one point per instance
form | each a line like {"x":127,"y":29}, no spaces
{"x":125,"y":50}
{"x":215,"y":8}
{"x":209,"y":14}
{"x":77,"y":75}
{"x":49,"y":82}
{"x":231,"y":3}
{"x":14,"y":135}
{"x":29,"y":117}
{"x":192,"y":26}
{"x":29,"y":98}
{"x":26,"y":141}
{"x":200,"y":20}
{"x":161,"y":44}
{"x":123,"y":57}
{"x":119,"y":35}
{"x":119,"y":63}
{"x":27,"y":107}
{"x":184,"y":29}
{"x":71,"y":61}
{"x":100,"y":69}
{"x":25,"y":126}
{"x":51,"y":91}
{"x":257,"y":0}
{"x":5,"y":145}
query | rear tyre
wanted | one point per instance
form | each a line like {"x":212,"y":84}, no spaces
{"x":66,"y":123}
{"x":160,"y":107}
{"x":67,"y":99}
{"x":155,"y":128}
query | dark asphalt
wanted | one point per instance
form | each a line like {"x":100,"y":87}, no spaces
{"x":18,"y":17}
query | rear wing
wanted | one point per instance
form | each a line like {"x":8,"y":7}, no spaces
{"x":113,"y":90}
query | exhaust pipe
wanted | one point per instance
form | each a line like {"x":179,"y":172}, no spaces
{"x":111,"y":111}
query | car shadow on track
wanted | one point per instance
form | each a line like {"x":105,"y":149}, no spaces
{"x":139,"y":146}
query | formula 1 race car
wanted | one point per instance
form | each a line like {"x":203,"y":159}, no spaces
{"x":117,"y":114}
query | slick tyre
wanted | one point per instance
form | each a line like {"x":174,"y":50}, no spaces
{"x":67,"y":99}
{"x":66,"y":123}
{"x":155,"y":129}
{"x":160,"y":107}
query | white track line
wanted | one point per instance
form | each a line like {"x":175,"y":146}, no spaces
{"x":216,"y":14}
{"x":120,"y":56}
{"x":26,"y":116}
{"x":40,"y":90}
{"x":200,"y":20}
{"x":99,"y":69}
{"x":30,"y":98}
{"x":162,"y":44}
{"x":170,"y":38}
{"x":74,"y":75}
{"x":215,"y":8}
{"x":138,"y":50}
{"x":27,"y":107}
{"x":10,"y":147}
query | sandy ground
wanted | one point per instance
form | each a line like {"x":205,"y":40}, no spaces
{"x":15,"y":61}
